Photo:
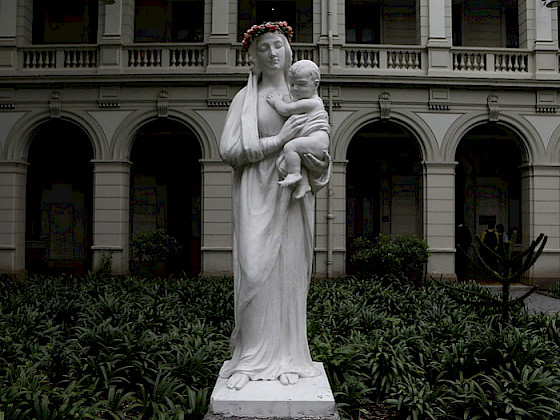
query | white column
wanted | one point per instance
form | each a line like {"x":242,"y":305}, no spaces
{"x":439,"y":57}
{"x":8,"y":19}
{"x":13,"y":176}
{"x":111,"y":50}
{"x":217,"y":218}
{"x":221,"y":56}
{"x":330,"y":224}
{"x":111,"y":213}
{"x":113,"y":19}
{"x":546,"y":61}
{"x":543,"y":22}
{"x":436,"y":19}
{"x":439,"y":217}
{"x":220,"y":17}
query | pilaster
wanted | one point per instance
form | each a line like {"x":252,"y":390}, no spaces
{"x":111,"y":38}
{"x":217,"y":223}
{"x":330,"y":224}
{"x":439,"y":57}
{"x":13,"y":176}
{"x":546,"y":61}
{"x":220,"y":57}
{"x":439,"y":217}
{"x":541,"y":214}
{"x":8,"y":19}
{"x":111,"y":213}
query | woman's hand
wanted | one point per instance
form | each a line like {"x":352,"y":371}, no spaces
{"x":291,"y":128}
{"x":315,"y":165}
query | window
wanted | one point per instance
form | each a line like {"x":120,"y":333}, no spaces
{"x":169,"y":21}
{"x":65,"y":22}
{"x":488,"y":23}
{"x":381,"y":22}
{"x":363,"y":22}
{"x":298,"y":14}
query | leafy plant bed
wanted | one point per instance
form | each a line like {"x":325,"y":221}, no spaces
{"x":551,"y":290}
{"x":103,"y":347}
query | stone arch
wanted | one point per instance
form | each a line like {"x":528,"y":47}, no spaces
{"x":528,"y":136}
{"x":19,"y":138}
{"x":125,"y":134}
{"x":417,"y":127}
{"x":554,"y":146}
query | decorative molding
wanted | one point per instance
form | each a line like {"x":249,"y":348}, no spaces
{"x":493,"y":107}
{"x":108,"y":104}
{"x":109,"y":97}
{"x":55,"y":104}
{"x":218,"y":103}
{"x":438,"y":107}
{"x":163,"y":104}
{"x":335,"y":104}
{"x":385,"y":105}
{"x":546,"y":102}
{"x":439,"y":99}
{"x":7,"y":98}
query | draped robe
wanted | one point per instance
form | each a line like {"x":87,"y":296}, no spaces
{"x":272,"y":251}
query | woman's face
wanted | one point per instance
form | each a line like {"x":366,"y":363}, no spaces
{"x":270,"y":52}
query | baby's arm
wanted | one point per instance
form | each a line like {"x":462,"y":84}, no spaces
{"x":290,"y":108}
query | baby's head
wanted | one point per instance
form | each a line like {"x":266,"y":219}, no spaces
{"x":303,"y":79}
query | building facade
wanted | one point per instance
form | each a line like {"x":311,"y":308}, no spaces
{"x":443,"y":112}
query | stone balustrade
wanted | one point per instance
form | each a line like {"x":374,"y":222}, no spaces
{"x":354,"y":58}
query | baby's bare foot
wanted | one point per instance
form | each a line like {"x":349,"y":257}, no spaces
{"x":301,"y":190}
{"x":290,"y":179}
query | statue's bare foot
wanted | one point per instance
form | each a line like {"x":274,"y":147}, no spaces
{"x":288,"y":378}
{"x":301,"y":190}
{"x":290,"y":179}
{"x":237,"y":381}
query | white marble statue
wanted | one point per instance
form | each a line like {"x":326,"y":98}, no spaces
{"x":273,"y":230}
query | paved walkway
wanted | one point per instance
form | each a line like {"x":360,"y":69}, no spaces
{"x":537,"y":302}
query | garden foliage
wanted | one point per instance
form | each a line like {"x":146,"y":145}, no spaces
{"x":403,"y":256}
{"x":112,"y":348}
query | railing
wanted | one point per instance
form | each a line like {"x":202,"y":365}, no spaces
{"x":383,"y":57}
{"x":59,"y":57}
{"x":167,"y":56}
{"x":502,"y":61}
{"x":352,"y":58}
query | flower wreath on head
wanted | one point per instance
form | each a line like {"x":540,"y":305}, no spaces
{"x":257,"y":30}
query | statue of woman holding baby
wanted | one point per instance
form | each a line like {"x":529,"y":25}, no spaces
{"x":273,"y":231}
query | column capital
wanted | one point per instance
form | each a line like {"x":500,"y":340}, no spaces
{"x":121,"y":166}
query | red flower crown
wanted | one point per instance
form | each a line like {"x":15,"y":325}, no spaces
{"x":257,"y":30}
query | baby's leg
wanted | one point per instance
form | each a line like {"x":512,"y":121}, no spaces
{"x":303,"y":186}
{"x":292,"y":161}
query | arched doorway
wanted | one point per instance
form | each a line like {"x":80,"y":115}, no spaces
{"x":383,"y":184}
{"x":59,"y":198}
{"x":488,"y":184}
{"x":166,"y":188}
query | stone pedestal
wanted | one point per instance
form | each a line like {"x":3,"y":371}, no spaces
{"x":309,"y":398}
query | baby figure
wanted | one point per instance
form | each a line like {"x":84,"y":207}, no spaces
{"x":303,"y":80}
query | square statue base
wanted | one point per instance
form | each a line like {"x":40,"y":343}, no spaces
{"x":309,"y":398}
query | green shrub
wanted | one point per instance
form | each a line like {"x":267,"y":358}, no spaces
{"x":403,"y":256}
{"x":102,"y":347}
{"x":151,"y":251}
